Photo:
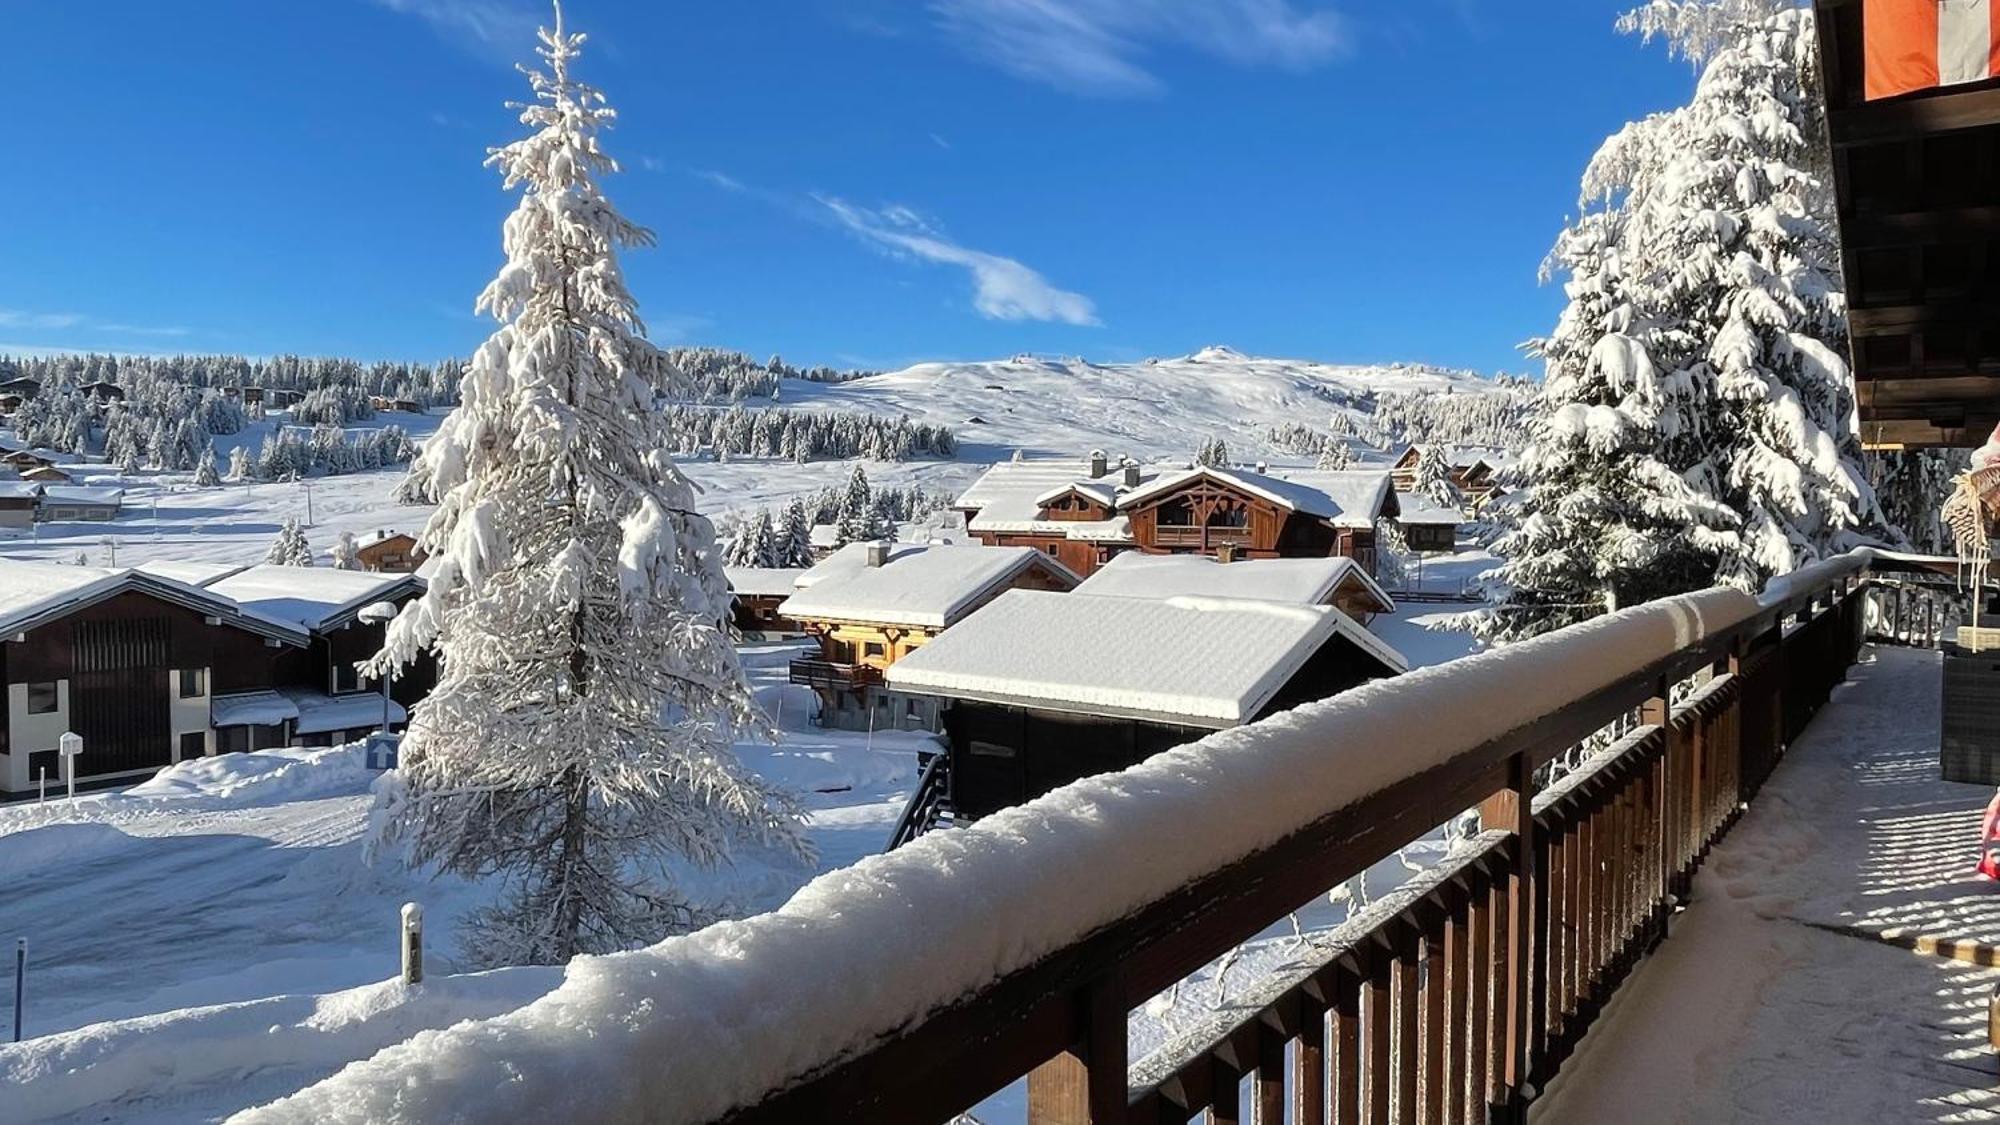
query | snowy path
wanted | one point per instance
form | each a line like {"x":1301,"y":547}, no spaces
{"x":1770,"y":1002}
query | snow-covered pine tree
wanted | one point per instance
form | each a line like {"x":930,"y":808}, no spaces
{"x":578,"y":741}
{"x":1434,"y":477}
{"x":1695,"y":424}
{"x":795,"y":536}
{"x":346,"y":555}
{"x":763,"y":540}
{"x":1214,"y":453}
{"x":290,"y":547}
{"x":856,"y":521}
{"x":1335,"y":455}
{"x":204,"y":470}
{"x":1912,"y":485}
{"x":128,"y":462}
{"x":240,"y":467}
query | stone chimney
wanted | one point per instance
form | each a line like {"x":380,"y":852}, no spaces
{"x":1263,"y":466}
{"x":1131,"y":473}
{"x":1099,"y":464}
{"x":877,"y":553}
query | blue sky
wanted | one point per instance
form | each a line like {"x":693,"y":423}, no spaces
{"x":852,"y":182}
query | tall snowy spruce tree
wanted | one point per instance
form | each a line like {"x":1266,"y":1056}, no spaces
{"x":1695,"y":424}
{"x":578,"y":743}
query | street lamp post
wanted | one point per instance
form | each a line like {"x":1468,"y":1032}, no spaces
{"x":381,"y":613}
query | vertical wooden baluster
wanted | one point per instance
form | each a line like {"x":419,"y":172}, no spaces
{"x":1087,"y":1084}
{"x":1431,"y":1018}
{"x":1268,"y":1098}
{"x":1403,"y":984}
{"x":1347,"y":1046}
{"x":1556,"y":873}
{"x":1479,"y":978}
{"x":1512,"y":810}
{"x":1309,"y":1065}
{"x":1378,"y":1059}
{"x":1457,"y":970}
{"x":1227,"y":1096}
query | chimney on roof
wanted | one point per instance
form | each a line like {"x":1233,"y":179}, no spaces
{"x":1131,"y":473}
{"x":1263,"y":466}
{"x":877,"y":553}
{"x":1099,"y":464}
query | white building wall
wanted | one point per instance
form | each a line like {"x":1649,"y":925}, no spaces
{"x":27,"y":734}
{"x":187,"y":716}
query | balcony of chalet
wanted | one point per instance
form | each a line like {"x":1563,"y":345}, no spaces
{"x":1702,"y":869}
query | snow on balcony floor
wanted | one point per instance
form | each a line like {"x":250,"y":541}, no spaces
{"x":1769,"y":1002}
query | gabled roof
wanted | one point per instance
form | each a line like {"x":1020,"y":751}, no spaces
{"x":763,"y":581}
{"x":380,"y":535}
{"x":192,"y":573}
{"x":82,"y":494}
{"x":33,"y":594}
{"x":1418,"y":509}
{"x":1009,"y":496}
{"x":1293,"y":581}
{"x":1343,"y":498}
{"x":1203,"y":662}
{"x":927,"y":585}
{"x":1096,"y":490}
{"x":320,"y":599}
{"x":19,"y":490}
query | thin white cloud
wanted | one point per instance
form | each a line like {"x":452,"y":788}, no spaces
{"x":1003,"y":289}
{"x":61,"y":321}
{"x":503,"y":30}
{"x":723,"y":180}
{"x":1097,"y":46}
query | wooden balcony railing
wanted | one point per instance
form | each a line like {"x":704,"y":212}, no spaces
{"x":911,"y":986}
{"x":834,"y":675}
{"x":1454,"y":999}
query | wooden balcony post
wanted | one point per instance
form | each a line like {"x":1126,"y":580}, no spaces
{"x":1511,"y":810}
{"x":1086,"y":1084}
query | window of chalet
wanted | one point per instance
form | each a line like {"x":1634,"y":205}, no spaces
{"x":345,"y":677}
{"x":194,"y":744}
{"x":873,"y":648}
{"x":1229,"y":517}
{"x":232,"y":740}
{"x":42,"y":698}
{"x":1176,"y":513}
{"x":190,"y":682}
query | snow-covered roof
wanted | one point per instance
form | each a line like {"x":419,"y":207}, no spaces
{"x":763,"y":581}
{"x":1466,"y":456}
{"x":1194,"y":661}
{"x":33,"y":594}
{"x":1009,"y":496}
{"x":247,"y":708}
{"x":1296,"y":581}
{"x":929,"y":585}
{"x":849,"y":558}
{"x":317,"y":598}
{"x":192,"y":573}
{"x":19,"y":490}
{"x":824,"y":535}
{"x":1418,"y":509}
{"x":1341,"y":497}
{"x":380,"y":535}
{"x":82,"y":494}
{"x":318,"y":712}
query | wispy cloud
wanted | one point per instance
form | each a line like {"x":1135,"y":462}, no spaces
{"x":1097,"y":46}
{"x":723,"y":180}
{"x":940,"y":142}
{"x":502,"y":30}
{"x":1003,"y":289}
{"x":64,"y":321}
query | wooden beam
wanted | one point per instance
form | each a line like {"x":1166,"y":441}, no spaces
{"x":1874,"y":122}
{"x":1901,"y":320}
{"x":1878,"y":230}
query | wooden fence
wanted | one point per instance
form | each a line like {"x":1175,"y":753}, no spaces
{"x":1456,"y":999}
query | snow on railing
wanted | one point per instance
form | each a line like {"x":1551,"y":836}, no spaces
{"x":689,"y":1029}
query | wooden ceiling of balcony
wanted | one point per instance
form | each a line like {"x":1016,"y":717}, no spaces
{"x":1918,"y":181}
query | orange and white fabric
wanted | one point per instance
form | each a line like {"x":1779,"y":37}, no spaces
{"x":1919,"y":44}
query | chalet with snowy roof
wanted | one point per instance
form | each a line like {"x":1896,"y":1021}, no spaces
{"x":102,"y":391}
{"x":1426,"y":524}
{"x":870,"y":605}
{"x":17,"y":503}
{"x":1084,"y":514}
{"x":759,"y":591}
{"x":156,"y":664}
{"x":22,"y":460}
{"x":21,"y":387}
{"x":388,"y":550}
{"x":79,"y":502}
{"x":1040,"y":689}
{"x":47,"y":474}
{"x":1473,"y":469}
{"x":1337,"y":582}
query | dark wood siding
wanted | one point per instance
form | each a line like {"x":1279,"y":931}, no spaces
{"x":118,"y":692}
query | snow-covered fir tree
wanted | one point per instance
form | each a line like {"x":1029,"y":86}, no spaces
{"x":345,"y":554}
{"x":204,"y":469}
{"x":1334,"y":455}
{"x":1695,"y":422}
{"x":578,"y":742}
{"x":1214,"y":453}
{"x":290,"y":547}
{"x":795,"y":536}
{"x":1913,"y":485}
{"x":1434,"y":477}
{"x":856,"y":521}
{"x":239,"y":463}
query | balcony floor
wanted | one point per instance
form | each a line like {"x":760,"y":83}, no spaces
{"x":1782,"y":994}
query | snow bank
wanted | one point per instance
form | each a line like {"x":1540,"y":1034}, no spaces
{"x":266,"y":776}
{"x":181,"y":1052}
{"x":690,"y":1028}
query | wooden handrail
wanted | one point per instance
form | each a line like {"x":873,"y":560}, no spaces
{"x":1064,"y":1017}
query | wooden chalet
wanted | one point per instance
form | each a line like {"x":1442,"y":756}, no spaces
{"x":1915,"y":147}
{"x":152,"y":669}
{"x":869,"y":605}
{"x":1427,"y":525}
{"x":75,"y":502}
{"x":1041,"y":689}
{"x":759,"y":592}
{"x":1333,"y":581}
{"x":47,"y":474}
{"x":18,"y":500}
{"x":387,"y":550}
{"x":102,"y":391}
{"x":21,"y":387}
{"x":1473,"y":469}
{"x":1084,"y":514}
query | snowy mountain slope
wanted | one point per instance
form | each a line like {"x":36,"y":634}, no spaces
{"x":1154,"y":408}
